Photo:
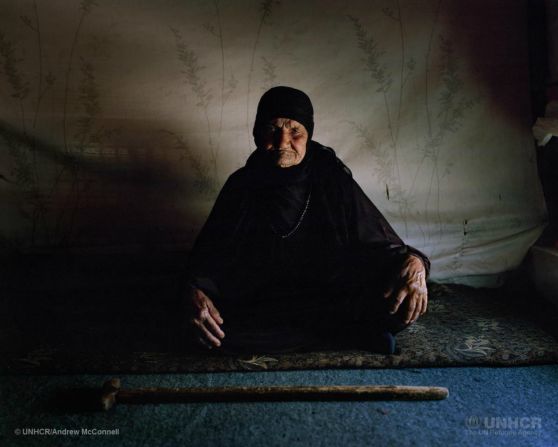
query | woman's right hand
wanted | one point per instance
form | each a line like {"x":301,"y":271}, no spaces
{"x":206,"y":320}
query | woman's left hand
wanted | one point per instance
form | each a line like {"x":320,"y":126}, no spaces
{"x":410,"y":285}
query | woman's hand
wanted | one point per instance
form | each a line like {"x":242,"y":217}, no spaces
{"x":206,"y":320}
{"x":410,"y":285}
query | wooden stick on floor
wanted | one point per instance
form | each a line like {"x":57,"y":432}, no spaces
{"x":112,"y":393}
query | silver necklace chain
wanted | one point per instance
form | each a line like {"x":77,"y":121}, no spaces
{"x":300,"y":219}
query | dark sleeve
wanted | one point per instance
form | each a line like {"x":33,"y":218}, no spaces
{"x":211,"y":251}
{"x":373,"y":236}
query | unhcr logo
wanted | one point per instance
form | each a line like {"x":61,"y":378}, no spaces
{"x":504,"y":425}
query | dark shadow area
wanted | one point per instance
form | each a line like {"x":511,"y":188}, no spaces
{"x":124,"y":314}
{"x":547,"y":163}
{"x":92,"y":303}
{"x":523,"y":297}
{"x":503,"y":56}
{"x":118,"y":303}
{"x":123,"y":193}
{"x":74,"y":400}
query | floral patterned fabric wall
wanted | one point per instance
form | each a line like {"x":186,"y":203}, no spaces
{"x":119,"y":121}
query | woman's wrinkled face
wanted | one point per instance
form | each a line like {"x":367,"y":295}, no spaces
{"x":285,"y":140}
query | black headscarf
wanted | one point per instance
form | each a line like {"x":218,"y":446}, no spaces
{"x":284,"y":102}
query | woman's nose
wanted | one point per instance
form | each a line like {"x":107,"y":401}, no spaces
{"x":283,"y":139}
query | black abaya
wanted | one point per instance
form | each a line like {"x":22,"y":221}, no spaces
{"x":288,"y":254}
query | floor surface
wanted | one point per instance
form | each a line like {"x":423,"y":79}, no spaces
{"x":512,"y":406}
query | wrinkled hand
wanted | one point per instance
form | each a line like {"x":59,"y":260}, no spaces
{"x":410,"y":286}
{"x":206,"y":320}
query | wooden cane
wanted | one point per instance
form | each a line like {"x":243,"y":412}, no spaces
{"x":112,"y":393}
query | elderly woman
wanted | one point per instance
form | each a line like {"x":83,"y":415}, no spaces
{"x":294,"y":253}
